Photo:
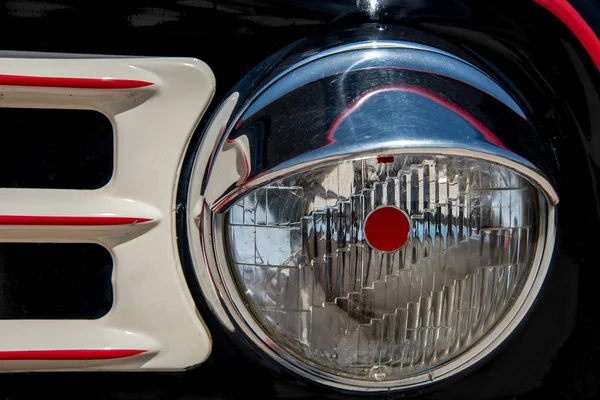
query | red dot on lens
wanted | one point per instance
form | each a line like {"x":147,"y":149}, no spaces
{"x":387,"y":228}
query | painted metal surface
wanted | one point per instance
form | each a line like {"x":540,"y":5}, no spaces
{"x":568,"y":14}
{"x":534,"y":55}
{"x":154,"y":106}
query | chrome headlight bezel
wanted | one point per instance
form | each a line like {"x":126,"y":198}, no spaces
{"x":217,"y":183}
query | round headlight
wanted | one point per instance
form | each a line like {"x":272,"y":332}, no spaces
{"x":361,"y":224}
{"x":327,"y":290}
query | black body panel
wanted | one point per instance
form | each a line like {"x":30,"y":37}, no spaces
{"x":555,"y":353}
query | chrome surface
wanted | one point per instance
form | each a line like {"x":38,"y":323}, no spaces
{"x":367,"y":99}
{"x":391,"y":112}
{"x":202,"y":257}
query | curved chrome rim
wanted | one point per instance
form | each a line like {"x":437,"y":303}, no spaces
{"x":218,"y":284}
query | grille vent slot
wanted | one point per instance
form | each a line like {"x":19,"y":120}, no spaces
{"x":55,"y":149}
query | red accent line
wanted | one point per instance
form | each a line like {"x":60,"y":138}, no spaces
{"x":443,"y":75}
{"x":571,"y":18}
{"x":72,"y":83}
{"x":385,"y":159}
{"x":69,"y":221}
{"x":362,"y":98}
{"x":103,"y":354}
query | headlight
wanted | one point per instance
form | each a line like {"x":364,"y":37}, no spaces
{"x":361,"y":225}
{"x":323,"y":261}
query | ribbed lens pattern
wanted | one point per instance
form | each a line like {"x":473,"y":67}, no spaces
{"x":301,"y":260}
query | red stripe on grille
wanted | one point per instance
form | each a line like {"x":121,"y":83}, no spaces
{"x":69,"y":221}
{"x":73,"y":83}
{"x":102,"y":354}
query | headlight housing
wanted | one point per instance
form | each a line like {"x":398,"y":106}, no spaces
{"x":361,"y":224}
{"x":329,"y":290}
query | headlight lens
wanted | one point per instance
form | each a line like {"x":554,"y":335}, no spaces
{"x":447,"y":245}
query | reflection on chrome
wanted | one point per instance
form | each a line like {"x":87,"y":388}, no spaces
{"x":354,"y":114}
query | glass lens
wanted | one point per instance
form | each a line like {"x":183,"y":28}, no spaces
{"x":328,"y":295}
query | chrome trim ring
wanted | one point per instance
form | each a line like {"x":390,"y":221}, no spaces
{"x":238,"y":154}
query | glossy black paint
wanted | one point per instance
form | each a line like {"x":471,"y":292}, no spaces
{"x":556,"y":351}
